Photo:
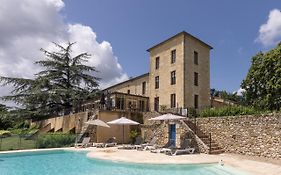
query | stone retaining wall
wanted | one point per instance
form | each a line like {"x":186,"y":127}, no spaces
{"x":160,"y":130}
{"x":248,"y":135}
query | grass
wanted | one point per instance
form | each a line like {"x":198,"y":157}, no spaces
{"x":52,"y":140}
{"x":16,"y":143}
{"x":56,"y":140}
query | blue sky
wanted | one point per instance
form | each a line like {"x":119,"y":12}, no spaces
{"x":131,"y":27}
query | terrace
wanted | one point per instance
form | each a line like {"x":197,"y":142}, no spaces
{"x":118,"y":101}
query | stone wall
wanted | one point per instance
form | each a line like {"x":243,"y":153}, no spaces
{"x":248,"y":135}
{"x":160,"y":130}
{"x":64,"y":123}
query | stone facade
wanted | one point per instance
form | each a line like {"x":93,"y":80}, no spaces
{"x":185,"y":89}
{"x":192,"y":45}
{"x":183,"y":45}
{"x":133,"y":85}
{"x":160,"y":130}
{"x":248,"y":135}
{"x":163,"y":53}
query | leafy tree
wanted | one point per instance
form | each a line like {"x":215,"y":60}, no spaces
{"x":59,"y":88}
{"x":263,"y":81}
{"x":228,"y":96}
{"x":5,"y":119}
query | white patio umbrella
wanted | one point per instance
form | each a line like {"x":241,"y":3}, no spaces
{"x":123,"y":121}
{"x":168,"y":117}
{"x":97,"y":122}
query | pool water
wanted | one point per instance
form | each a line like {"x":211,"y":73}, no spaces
{"x":77,"y":163}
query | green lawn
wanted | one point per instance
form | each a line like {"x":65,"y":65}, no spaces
{"x":15,"y":143}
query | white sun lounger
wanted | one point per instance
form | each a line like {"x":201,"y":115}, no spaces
{"x":109,"y":143}
{"x":85,"y":142}
{"x":137,"y":145}
{"x":182,"y":151}
{"x":149,"y":146}
{"x":162,"y":150}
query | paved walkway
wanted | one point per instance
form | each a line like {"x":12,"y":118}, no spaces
{"x":252,"y":166}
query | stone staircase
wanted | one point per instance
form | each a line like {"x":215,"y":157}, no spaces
{"x":86,"y":127}
{"x":214,"y":147}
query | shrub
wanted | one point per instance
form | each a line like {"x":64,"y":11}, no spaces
{"x":55,"y":140}
{"x":133,"y":135}
{"x":4,"y":133}
{"x":228,"y":111}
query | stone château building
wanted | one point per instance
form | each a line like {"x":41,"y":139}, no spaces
{"x":178,"y":78}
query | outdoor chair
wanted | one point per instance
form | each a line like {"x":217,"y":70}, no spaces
{"x":185,"y":149}
{"x":85,"y":143}
{"x":109,"y":143}
{"x":136,"y":145}
{"x":151,"y":145}
{"x":165,"y":149}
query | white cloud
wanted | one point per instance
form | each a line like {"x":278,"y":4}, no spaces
{"x":28,"y":25}
{"x":270,"y":32}
{"x":240,"y":91}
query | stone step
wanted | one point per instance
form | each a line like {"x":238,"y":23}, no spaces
{"x":217,"y":151}
{"x":215,"y":148}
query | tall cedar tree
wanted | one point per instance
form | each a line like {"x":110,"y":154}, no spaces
{"x":263,"y":81}
{"x":60,"y":87}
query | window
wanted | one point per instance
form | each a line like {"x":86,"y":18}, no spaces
{"x":143,"y":87}
{"x":196,"y":101}
{"x":141,"y":105}
{"x":128,"y":91}
{"x":120,"y":103}
{"x":195,"y":57}
{"x":195,"y":79}
{"x":173,"y":100}
{"x":173,"y":77}
{"x":156,"y":104}
{"x":157,"y":62}
{"x":157,"y":82}
{"x":173,"y":56}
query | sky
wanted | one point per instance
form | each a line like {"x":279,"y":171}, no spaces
{"x":118,"y":33}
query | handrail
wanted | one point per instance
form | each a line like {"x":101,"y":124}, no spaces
{"x":210,"y":142}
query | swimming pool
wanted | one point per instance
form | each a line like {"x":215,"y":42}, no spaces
{"x":62,"y":162}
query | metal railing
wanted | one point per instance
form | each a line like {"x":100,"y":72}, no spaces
{"x":210,"y":143}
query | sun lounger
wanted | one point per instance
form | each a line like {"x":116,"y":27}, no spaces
{"x":127,"y":147}
{"x":109,"y":143}
{"x":161,"y":150}
{"x":98,"y":145}
{"x":151,"y":143}
{"x":136,"y":145}
{"x":85,"y":143}
{"x":165,"y":149}
{"x":185,"y":149}
{"x":149,"y":146}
